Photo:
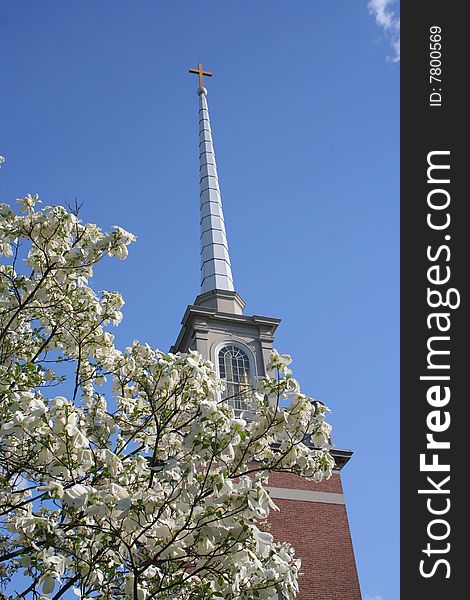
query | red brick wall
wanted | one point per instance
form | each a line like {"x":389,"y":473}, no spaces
{"x":288,"y":480}
{"x":320,"y":535}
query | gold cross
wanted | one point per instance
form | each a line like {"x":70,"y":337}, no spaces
{"x":201,"y":74}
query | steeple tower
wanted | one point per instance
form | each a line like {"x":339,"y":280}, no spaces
{"x":313,"y":515}
{"x":216,"y":317}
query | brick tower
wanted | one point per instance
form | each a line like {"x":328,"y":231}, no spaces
{"x":313,"y":516}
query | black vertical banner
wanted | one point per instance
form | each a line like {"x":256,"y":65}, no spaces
{"x":435,"y":256}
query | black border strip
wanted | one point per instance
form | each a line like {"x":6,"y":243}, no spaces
{"x":434,"y":270}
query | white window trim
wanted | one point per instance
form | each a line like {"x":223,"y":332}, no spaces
{"x":246,"y":349}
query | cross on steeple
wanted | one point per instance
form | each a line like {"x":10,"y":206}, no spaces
{"x":201,"y":74}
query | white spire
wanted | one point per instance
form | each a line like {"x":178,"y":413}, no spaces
{"x":216,"y":272}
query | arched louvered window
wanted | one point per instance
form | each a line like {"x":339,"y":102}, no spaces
{"x":234,"y":367}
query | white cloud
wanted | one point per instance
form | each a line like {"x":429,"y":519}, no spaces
{"x":373,"y":598}
{"x":386,"y":18}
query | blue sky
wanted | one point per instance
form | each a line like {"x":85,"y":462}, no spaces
{"x":97,"y":105}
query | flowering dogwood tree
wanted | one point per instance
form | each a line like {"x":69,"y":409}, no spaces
{"x":155,"y":491}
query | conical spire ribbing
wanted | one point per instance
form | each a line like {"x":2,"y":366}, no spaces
{"x":216,"y":272}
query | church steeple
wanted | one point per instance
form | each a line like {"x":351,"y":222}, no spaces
{"x":217,"y":287}
{"x":215,"y":324}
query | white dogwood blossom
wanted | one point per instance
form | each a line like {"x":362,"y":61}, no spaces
{"x":121,"y":473}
